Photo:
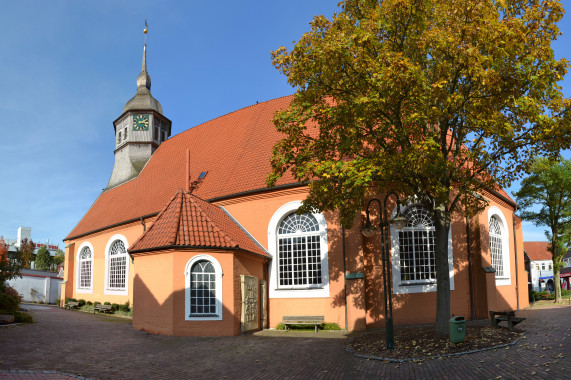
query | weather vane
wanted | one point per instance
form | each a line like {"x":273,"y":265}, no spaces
{"x":146,"y":30}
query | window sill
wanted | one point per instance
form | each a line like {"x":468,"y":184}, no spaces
{"x":307,"y":288}
{"x":418,"y":283}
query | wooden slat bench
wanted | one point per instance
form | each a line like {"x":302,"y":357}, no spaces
{"x":72,"y":305}
{"x":508,"y":316}
{"x":303,"y":320}
{"x":103,"y":308}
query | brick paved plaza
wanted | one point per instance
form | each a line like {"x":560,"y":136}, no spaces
{"x":96,"y":346}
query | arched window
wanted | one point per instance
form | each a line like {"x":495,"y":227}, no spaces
{"x":117,"y":269}
{"x":85,"y":268}
{"x":413,"y":253}
{"x":203,"y":290}
{"x":299,"y":252}
{"x":499,"y":245}
{"x":416,"y":243}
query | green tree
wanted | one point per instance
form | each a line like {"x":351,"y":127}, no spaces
{"x":59,"y":258}
{"x":9,"y":267}
{"x":439,"y":100}
{"x":43,"y":260}
{"x":548,"y":187}
{"x":26,"y":252}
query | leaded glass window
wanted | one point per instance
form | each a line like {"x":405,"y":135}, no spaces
{"x":496,"y":248}
{"x":85,"y":268}
{"x":299,"y":252}
{"x":117,"y":266}
{"x":416,"y":246}
{"x":203,"y":289}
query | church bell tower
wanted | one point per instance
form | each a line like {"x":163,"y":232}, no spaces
{"x":139,"y":130}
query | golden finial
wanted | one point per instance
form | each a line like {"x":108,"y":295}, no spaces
{"x":146,"y":30}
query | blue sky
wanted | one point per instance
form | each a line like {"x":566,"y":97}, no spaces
{"x":67,"y":68}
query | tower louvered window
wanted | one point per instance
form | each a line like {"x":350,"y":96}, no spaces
{"x":299,"y":252}
{"x":85,"y":268}
{"x":416,"y":246}
{"x":117,"y":275}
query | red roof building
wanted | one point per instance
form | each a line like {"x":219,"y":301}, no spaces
{"x":188,"y":232}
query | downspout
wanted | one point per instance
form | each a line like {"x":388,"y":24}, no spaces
{"x":143,"y":224}
{"x":516,"y":267}
{"x":469,"y":242}
{"x":345,"y":277}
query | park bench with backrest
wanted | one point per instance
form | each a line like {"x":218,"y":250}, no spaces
{"x":303,"y":320}
{"x":72,"y":305}
{"x":103,"y":308}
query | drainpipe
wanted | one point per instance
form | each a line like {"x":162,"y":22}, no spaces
{"x":344,"y":277}
{"x":516,"y":267}
{"x":469,"y":242}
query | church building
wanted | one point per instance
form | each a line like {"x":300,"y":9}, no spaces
{"x":189,"y":234}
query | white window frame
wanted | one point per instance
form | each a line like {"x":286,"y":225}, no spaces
{"x":219,"y":274}
{"x":415,"y":286}
{"x":495,"y":211}
{"x":107,"y":290}
{"x":311,"y":291}
{"x":78,"y":289}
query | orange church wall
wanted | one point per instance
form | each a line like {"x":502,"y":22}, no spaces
{"x":254,"y":214}
{"x":99,"y":242}
{"x":153,"y":297}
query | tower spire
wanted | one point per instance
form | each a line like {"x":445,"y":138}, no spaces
{"x":144,"y":79}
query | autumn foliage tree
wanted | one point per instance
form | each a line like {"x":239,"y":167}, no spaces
{"x":439,"y":100}
{"x":26,"y":252}
{"x":9,"y":268}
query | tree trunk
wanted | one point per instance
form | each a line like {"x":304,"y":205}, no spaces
{"x":557,"y":283}
{"x":441,"y":230}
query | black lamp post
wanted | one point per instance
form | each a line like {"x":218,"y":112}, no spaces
{"x":399,"y":222}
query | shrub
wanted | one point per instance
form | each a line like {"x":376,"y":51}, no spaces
{"x":81,"y":302}
{"x":115,"y":306}
{"x":331,"y":326}
{"x":20,"y":317}
{"x":96,"y":303}
{"x":565,"y":293}
{"x":280,"y":326}
{"x":68,"y":299}
{"x":10,"y":300}
{"x":89,"y":303}
{"x":125,"y":307}
{"x":106,"y":303}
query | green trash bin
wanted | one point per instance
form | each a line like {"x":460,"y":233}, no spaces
{"x":457,"y":329}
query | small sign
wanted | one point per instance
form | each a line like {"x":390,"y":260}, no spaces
{"x":354,"y":276}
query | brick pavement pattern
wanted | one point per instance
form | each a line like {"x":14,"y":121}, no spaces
{"x":66,"y":342}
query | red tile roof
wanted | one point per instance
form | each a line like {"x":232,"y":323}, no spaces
{"x":235,"y":149}
{"x":537,"y":250}
{"x":188,"y":221}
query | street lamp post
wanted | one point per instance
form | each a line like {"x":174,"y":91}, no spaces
{"x":399,"y":222}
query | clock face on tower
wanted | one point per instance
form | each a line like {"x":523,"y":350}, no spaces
{"x":141,"y":122}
